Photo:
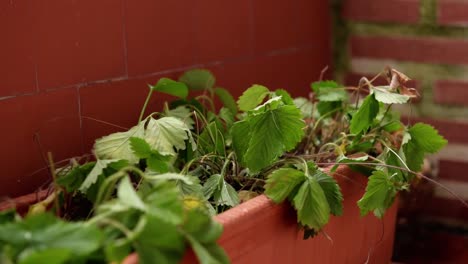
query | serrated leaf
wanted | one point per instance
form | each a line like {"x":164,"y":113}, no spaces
{"x":240,"y":133}
{"x":208,"y":253}
{"x":73,"y":179}
{"x":117,"y":145}
{"x":183,"y":113}
{"x":421,"y":139}
{"x":170,"y":176}
{"x":316,"y":86}
{"x":332,"y":95}
{"x":305,"y":106}
{"x":252,"y":97}
{"x":271,"y":134}
{"x":45,"y":232}
{"x":365,"y":115}
{"x":49,"y":256}
{"x":379,"y":195}
{"x":222,"y":192}
{"x":198,"y":79}
{"x":311,"y":205}
{"x":167,"y":133}
{"x":93,"y":175}
{"x":140,"y":147}
{"x":226,"y":115}
{"x":285,"y":96}
{"x":159,"y":242}
{"x":128,"y":196}
{"x":427,"y":137}
{"x":168,"y":86}
{"x":282,"y":182}
{"x":332,"y":192}
{"x":227,"y":99}
{"x":382,"y":94}
{"x":165,"y":202}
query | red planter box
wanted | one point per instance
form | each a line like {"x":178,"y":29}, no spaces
{"x":259,"y":231}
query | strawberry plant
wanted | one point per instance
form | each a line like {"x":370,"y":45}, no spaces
{"x":154,"y":188}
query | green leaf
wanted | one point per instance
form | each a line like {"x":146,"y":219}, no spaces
{"x":423,"y":139}
{"x":382,"y":94}
{"x":285,"y":96}
{"x":311,"y":205}
{"x":93,"y":175}
{"x":165,"y":202}
{"x":117,"y":145}
{"x":183,"y":113}
{"x":282,"y":182}
{"x":140,"y":147}
{"x":305,"y":106}
{"x":159,"y":242}
{"x":379,"y":195}
{"x":271,"y":134}
{"x":73,"y":180}
{"x":240,"y":133}
{"x":365,"y":115}
{"x":332,"y":192}
{"x":45,"y":232}
{"x":223,"y":192}
{"x":49,"y":256}
{"x":198,"y":79}
{"x":167,"y":133}
{"x":316,"y":86}
{"x":227,"y":99}
{"x":208,"y":253}
{"x":326,"y":94}
{"x":128,"y":196}
{"x":168,"y":86}
{"x":252,"y":97}
{"x":427,"y":138}
{"x":226,"y":115}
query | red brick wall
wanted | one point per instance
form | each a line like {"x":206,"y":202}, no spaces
{"x":428,"y":40}
{"x":64,"y":59}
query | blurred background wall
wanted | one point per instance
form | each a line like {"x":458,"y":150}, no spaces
{"x":65,"y":60}
{"x":428,"y":41}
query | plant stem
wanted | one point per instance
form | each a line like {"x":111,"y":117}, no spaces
{"x":145,"y":105}
{"x":403,"y":169}
{"x":54,"y":177}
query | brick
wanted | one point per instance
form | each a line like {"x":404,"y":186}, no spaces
{"x":223,"y":30}
{"x":274,"y":25}
{"x":451,"y":92}
{"x":17,"y":66}
{"x":400,"y":11}
{"x":314,"y":24}
{"x":118,"y":103}
{"x":425,"y":50}
{"x":78,"y":41}
{"x":353,"y":78}
{"x":293,"y":71}
{"x":159,"y":35}
{"x":453,"y":131}
{"x":442,"y":207}
{"x":54,"y":116}
{"x":453,"y":170}
{"x":452,"y":12}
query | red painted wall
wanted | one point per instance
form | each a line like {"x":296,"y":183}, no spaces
{"x":65,"y":59}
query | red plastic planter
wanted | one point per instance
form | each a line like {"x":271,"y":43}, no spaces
{"x":259,"y":231}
